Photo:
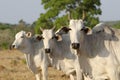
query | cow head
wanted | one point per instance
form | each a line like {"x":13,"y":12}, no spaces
{"x":47,"y":36}
{"x":20,"y":40}
{"x":75,"y":26}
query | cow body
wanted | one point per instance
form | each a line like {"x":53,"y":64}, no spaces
{"x":102,"y":64}
{"x":34,"y":53}
{"x":61,"y":51}
{"x":97,"y":53}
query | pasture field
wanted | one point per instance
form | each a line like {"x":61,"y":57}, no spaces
{"x":13,"y":67}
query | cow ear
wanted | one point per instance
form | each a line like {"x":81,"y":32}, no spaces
{"x":38,"y":37}
{"x":28,"y":34}
{"x":63,"y":30}
{"x":66,"y":29}
{"x":58,"y":37}
{"x":86,"y":29}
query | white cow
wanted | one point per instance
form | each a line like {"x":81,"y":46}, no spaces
{"x":112,"y":36}
{"x":34,"y":53}
{"x":97,"y":54}
{"x":60,"y":51}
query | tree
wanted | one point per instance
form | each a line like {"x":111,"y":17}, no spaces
{"x":56,"y":12}
{"x":22,"y":23}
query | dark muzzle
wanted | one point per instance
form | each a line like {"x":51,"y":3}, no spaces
{"x":47,"y":50}
{"x":75,"y":45}
{"x":12,"y":47}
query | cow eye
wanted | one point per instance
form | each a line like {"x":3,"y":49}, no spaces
{"x":53,"y":37}
{"x":22,"y":36}
{"x":42,"y":37}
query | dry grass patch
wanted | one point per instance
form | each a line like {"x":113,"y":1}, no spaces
{"x":13,"y":67}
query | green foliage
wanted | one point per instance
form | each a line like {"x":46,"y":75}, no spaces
{"x":8,"y":31}
{"x":5,"y":38}
{"x":56,"y":12}
{"x":61,"y":21}
{"x":4,"y":26}
{"x":5,"y":45}
{"x":117,"y":25}
{"x":114,"y":24}
{"x":42,"y":23}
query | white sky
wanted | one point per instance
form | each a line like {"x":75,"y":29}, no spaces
{"x":110,"y":10}
{"x":11,"y":11}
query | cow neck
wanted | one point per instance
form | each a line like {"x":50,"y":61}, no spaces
{"x":91,"y":44}
{"x":54,"y":46}
{"x":61,"y":49}
{"x":29,"y":48}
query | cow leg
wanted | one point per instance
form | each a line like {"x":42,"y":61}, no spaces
{"x":102,"y":79}
{"x":37,"y":76}
{"x":44,"y":72}
{"x":78,"y":69}
{"x":31,"y":65}
{"x":72,"y":77}
{"x":86,"y":77}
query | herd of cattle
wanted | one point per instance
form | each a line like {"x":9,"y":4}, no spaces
{"x":79,"y":52}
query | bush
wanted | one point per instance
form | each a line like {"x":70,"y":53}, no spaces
{"x":117,"y":25}
{"x":5,"y":45}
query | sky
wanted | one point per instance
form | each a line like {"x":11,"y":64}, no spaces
{"x":11,"y":11}
{"x":110,"y":10}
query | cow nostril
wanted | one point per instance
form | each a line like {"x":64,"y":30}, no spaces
{"x":47,"y":50}
{"x":75,"y":45}
{"x":78,"y":45}
{"x":13,"y":46}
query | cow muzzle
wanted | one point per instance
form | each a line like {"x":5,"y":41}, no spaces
{"x":47,"y":50}
{"x":12,"y":47}
{"x":75,"y":45}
